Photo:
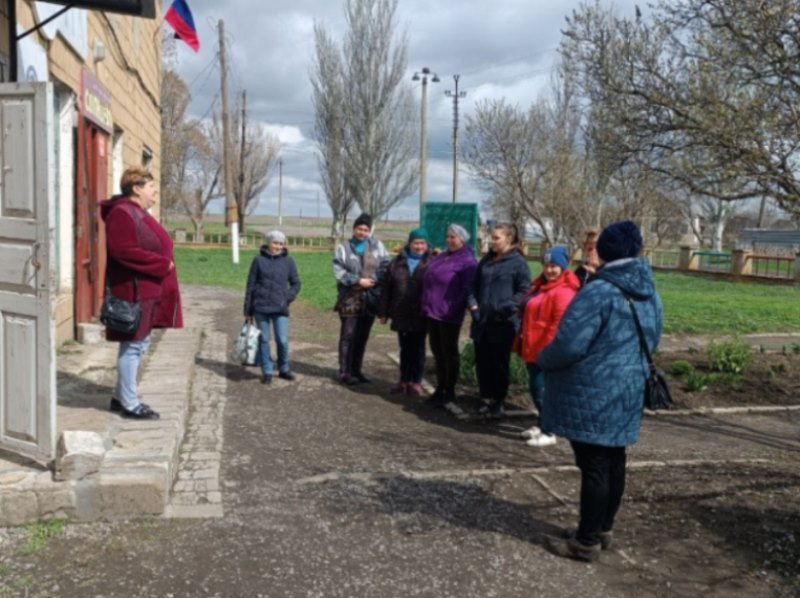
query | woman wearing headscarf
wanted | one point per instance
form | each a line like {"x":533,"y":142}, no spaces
{"x":272,"y":285}
{"x":358,"y":265}
{"x":502,"y":279}
{"x":141,"y":268}
{"x":401,"y":292}
{"x":445,"y":288}
{"x":541,"y":309}
{"x":594,"y":378}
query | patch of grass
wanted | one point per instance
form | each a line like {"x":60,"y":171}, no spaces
{"x":681,"y":368}
{"x":696,"y":382}
{"x":730,"y":357}
{"x":37,"y":534}
{"x":698,"y":305}
{"x":692,"y":305}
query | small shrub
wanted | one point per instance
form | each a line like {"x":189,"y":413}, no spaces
{"x":37,"y":535}
{"x":681,"y":368}
{"x":776,"y":370}
{"x":696,"y":382}
{"x":795,"y":347}
{"x":730,"y":357}
{"x":692,"y":350}
{"x":468,"y":375}
{"x":466,"y":371}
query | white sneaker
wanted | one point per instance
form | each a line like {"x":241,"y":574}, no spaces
{"x":531,"y":432}
{"x":542,"y":440}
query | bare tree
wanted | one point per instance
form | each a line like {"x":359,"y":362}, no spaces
{"x":378,"y":139}
{"x":178,"y":137}
{"x":533,"y":164}
{"x":705,"y":93}
{"x":330,"y":128}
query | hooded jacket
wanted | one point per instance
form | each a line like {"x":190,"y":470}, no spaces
{"x":139,"y":248}
{"x":497,"y":288}
{"x":541,"y":310}
{"x":595,"y":369}
{"x":272,"y":284}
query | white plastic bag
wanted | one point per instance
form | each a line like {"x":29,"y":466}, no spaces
{"x":246,"y":344}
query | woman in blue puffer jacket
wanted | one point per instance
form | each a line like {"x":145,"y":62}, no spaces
{"x":595,"y":374}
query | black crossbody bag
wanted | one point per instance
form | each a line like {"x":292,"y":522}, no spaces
{"x":116,"y":314}
{"x":656,"y":391}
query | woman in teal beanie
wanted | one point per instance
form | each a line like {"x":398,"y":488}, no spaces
{"x":400,"y":297}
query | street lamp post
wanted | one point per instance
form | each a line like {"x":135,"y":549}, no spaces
{"x":456,"y":95}
{"x":423,"y":137}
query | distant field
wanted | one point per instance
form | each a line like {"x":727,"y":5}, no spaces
{"x":310,"y":227}
{"x":691,"y":304}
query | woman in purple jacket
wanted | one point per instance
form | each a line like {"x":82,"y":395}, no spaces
{"x":445,"y":288}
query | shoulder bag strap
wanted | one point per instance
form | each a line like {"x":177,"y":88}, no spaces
{"x":640,"y":332}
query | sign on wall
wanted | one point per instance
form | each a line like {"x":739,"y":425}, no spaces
{"x":96,"y":102}
{"x":437,"y":216}
{"x":31,"y":59}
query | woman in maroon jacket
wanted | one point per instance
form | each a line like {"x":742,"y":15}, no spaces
{"x":140,"y":268}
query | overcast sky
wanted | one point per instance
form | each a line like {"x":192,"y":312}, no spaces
{"x":500,"y":48}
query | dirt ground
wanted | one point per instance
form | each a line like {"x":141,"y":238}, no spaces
{"x":353,"y":492}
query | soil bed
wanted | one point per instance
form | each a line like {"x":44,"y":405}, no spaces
{"x":771,"y":379}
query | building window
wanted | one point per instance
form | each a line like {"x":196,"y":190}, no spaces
{"x":147,"y":157}
{"x":3,"y":68}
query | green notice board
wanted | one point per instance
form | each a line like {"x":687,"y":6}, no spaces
{"x":438,"y":215}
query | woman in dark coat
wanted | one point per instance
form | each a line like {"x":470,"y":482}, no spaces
{"x":502,"y":279}
{"x":272,"y":285}
{"x":401,"y":292}
{"x":594,"y":377}
{"x":140,"y":267}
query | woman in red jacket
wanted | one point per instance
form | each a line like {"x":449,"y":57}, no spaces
{"x":140,"y":268}
{"x":541,"y":309}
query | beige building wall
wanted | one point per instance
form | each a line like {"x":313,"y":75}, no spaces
{"x":131,"y":72}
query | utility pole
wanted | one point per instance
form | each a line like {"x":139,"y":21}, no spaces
{"x":423,"y":137}
{"x":280,"y":192}
{"x":231,"y":218}
{"x":242,"y":199}
{"x":456,"y":95}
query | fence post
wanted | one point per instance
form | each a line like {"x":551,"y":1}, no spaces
{"x":741,"y":264}
{"x":797,"y":268}
{"x":688,"y":259}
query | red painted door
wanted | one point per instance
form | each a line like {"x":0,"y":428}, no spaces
{"x":92,"y":186}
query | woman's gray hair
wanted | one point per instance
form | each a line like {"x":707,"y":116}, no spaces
{"x":459,"y":231}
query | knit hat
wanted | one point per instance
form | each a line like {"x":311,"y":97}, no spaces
{"x":276,"y":235}
{"x":417,"y":234}
{"x":459,"y":231}
{"x":557,"y":256}
{"x":363,"y":219}
{"x":619,"y":241}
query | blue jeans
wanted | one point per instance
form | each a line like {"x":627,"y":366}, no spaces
{"x":281,"y":326}
{"x":536,"y":385}
{"x":129,"y":357}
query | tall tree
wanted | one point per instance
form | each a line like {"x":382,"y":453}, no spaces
{"x":378,"y":146}
{"x":179,"y":138}
{"x":704,"y":93}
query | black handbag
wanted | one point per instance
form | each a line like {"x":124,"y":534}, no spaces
{"x":118,"y":315}
{"x":656,"y":391}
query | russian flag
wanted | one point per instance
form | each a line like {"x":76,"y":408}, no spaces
{"x":180,"y":19}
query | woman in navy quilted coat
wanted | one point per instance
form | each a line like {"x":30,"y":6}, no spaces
{"x":595,"y":373}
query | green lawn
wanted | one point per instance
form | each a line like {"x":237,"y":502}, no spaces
{"x":691,"y":304}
